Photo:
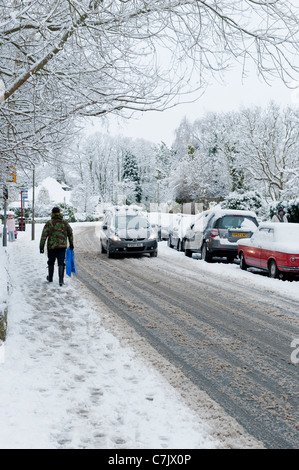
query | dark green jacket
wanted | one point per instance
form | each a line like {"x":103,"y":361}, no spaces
{"x":57,"y":231}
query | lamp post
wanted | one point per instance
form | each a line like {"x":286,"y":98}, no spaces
{"x":5,"y":196}
{"x":33,"y":204}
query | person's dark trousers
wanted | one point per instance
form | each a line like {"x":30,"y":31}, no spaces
{"x":59,"y":254}
{"x":50,"y":273}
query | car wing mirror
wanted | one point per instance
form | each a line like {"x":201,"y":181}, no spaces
{"x":104,"y":227}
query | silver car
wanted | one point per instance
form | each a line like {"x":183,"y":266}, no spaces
{"x":177,"y":233}
{"x":215,"y":233}
{"x":127,"y":231}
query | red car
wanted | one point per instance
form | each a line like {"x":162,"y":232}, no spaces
{"x":273,"y":247}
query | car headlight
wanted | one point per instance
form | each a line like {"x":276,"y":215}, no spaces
{"x":152,"y":236}
{"x":115,"y":238}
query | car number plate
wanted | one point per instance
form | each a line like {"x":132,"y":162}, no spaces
{"x":238,"y":234}
{"x":135,"y":245}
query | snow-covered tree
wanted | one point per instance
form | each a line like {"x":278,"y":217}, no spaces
{"x":97,"y":167}
{"x":270,"y":146}
{"x":163,"y":160}
{"x":66,"y":59}
{"x":131,"y":178}
{"x":251,"y":150}
{"x":203,"y":171}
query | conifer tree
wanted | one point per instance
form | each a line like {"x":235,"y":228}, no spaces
{"x":131,"y":178}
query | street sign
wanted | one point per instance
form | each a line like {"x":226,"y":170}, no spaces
{"x":12,"y":178}
{"x":24,"y":194}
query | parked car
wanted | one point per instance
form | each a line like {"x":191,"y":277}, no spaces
{"x":161,"y":222}
{"x":215,"y":233}
{"x":177,"y":232}
{"x":127,"y":231}
{"x":273,"y":248}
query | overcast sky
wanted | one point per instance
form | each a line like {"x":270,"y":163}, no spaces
{"x":160,"y":126}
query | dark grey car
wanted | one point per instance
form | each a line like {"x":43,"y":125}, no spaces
{"x":127,"y":232}
{"x":215,"y":233}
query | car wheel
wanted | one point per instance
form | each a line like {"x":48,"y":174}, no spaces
{"x":169,"y":242}
{"x":188,"y":253}
{"x":205,"y":255}
{"x":154,"y":254}
{"x":273,"y":270}
{"x":103,"y":250}
{"x":109,"y":254}
{"x":243,"y":265}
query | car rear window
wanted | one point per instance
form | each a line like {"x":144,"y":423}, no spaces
{"x":236,"y":221}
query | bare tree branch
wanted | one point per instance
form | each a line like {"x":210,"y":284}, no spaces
{"x":66,"y":59}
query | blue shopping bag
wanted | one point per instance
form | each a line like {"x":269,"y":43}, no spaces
{"x":70,"y":262}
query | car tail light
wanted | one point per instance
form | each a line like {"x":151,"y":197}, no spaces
{"x":214,"y":232}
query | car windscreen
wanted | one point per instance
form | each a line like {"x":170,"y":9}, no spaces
{"x":128,"y":222}
{"x":236,"y":221}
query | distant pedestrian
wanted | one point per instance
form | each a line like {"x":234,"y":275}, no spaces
{"x":280,"y":216}
{"x":11,"y":227}
{"x":58,"y":232}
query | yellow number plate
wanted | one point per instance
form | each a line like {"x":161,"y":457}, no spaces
{"x":240,"y":235}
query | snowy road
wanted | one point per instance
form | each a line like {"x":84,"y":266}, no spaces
{"x":230,"y":339}
{"x":75,"y":375}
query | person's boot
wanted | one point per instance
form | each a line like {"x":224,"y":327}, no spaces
{"x":50,"y":273}
{"x":61,"y":274}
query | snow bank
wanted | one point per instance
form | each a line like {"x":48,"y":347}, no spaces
{"x":3,"y":275}
{"x":3,"y":290}
{"x":233,"y":273}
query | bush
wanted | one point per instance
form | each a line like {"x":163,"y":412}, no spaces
{"x":68,"y":212}
{"x":3,"y":324}
{"x":245,"y":200}
{"x":26,"y":213}
{"x":84,"y":217}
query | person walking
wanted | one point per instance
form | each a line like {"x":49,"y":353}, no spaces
{"x":280,"y":216}
{"x":58,"y":232}
{"x":11,"y":227}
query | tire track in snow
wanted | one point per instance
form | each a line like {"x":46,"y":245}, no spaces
{"x":235,"y":349}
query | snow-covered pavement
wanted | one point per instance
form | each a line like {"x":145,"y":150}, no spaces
{"x":67,"y":382}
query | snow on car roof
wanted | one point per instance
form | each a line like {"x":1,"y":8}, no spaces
{"x":288,"y":230}
{"x":220,"y":212}
{"x":286,"y":236}
{"x":126,"y":210}
{"x":287,"y":227}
